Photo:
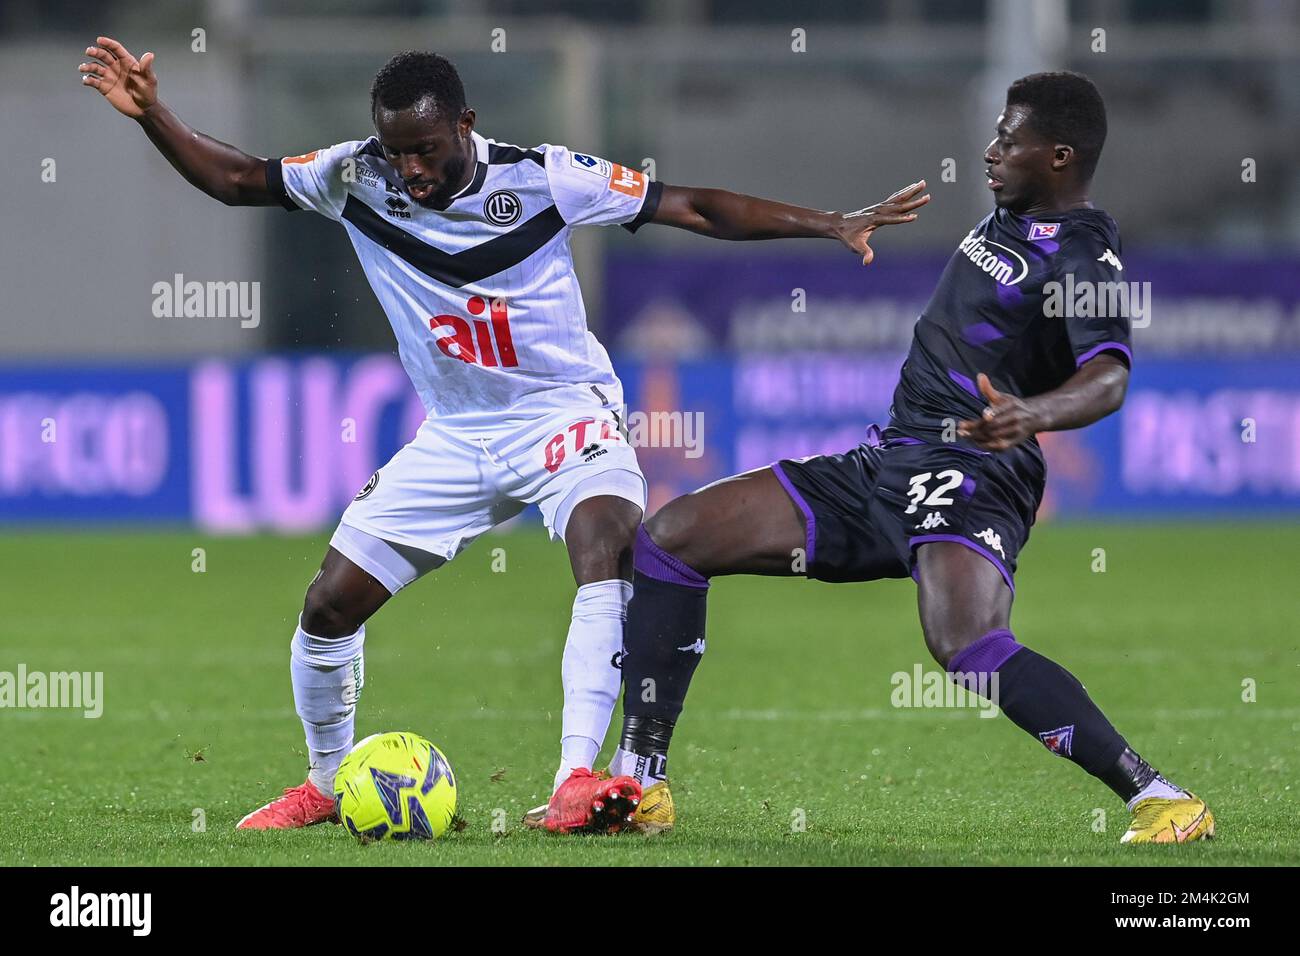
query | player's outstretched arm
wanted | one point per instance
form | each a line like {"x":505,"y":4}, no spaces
{"x":131,"y":87}
{"x":1089,"y":395}
{"x":727,"y":215}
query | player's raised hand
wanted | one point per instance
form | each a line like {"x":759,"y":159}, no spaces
{"x":128,"y":84}
{"x":855,"y":228}
{"x":1006,"y":422}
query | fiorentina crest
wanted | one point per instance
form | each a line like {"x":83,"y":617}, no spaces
{"x":1058,"y":741}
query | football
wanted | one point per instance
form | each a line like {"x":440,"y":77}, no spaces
{"x":395,"y":786}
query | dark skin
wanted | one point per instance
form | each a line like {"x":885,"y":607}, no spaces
{"x":749,"y":525}
{"x":433,"y":153}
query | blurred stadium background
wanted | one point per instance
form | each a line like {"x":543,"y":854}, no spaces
{"x":207,"y":420}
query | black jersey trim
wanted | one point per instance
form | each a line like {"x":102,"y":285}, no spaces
{"x":653,"y":194}
{"x":275,"y":183}
{"x":458,"y":268}
{"x":475,"y":184}
{"x":370,"y":147}
{"x":499,"y":155}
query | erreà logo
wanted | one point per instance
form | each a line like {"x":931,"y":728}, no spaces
{"x":1000,"y":265}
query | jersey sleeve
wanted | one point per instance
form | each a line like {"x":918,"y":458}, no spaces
{"x":590,"y":191}
{"x":317,"y":180}
{"x":1105,"y":325}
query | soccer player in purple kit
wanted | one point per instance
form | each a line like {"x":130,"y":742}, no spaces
{"x":948,"y":490}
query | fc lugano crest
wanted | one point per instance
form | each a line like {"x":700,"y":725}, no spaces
{"x":369,"y":487}
{"x":503,"y":208}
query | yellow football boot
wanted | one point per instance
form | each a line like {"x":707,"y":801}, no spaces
{"x":1160,"y":820}
{"x":655,"y":813}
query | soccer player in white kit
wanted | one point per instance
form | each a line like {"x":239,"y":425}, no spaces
{"x":465,"y":242}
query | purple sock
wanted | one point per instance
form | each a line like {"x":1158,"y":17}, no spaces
{"x":986,"y":655}
{"x":653,"y":561}
{"x":1045,"y":700}
{"x":663,"y":642}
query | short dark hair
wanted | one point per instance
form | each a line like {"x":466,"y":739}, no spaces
{"x":1065,"y":107}
{"x":411,"y":76}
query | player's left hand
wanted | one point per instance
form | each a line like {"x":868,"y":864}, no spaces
{"x":855,"y":228}
{"x":1006,"y":422}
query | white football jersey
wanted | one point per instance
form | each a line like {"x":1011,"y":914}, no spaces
{"x":481,"y":294}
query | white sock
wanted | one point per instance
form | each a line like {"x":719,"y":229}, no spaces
{"x":575,"y":752}
{"x":328,"y":675}
{"x":644,"y":770}
{"x":1159,"y":787}
{"x":591,"y":681}
{"x":624,"y":765}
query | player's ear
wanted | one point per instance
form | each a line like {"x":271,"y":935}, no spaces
{"x":466,"y":122}
{"x":1062,"y":156}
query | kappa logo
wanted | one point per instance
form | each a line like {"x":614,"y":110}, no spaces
{"x":932,"y":520}
{"x":697,"y":646}
{"x":503,"y":208}
{"x":368,"y":487}
{"x":992,"y":539}
{"x":1043,"y":230}
{"x":617,"y":660}
{"x":1059,"y":741}
{"x":1112,"y":260}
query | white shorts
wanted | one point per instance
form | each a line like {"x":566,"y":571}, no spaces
{"x":451,"y":484}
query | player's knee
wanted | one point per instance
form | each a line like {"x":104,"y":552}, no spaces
{"x":946,"y":639}
{"x":601,"y":543}
{"x":326,"y":616}
{"x":943,"y":645}
{"x":672,"y":526}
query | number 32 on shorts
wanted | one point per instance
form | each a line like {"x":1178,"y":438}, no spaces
{"x":938,"y":495}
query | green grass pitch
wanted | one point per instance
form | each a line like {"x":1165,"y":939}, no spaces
{"x":790,"y":718}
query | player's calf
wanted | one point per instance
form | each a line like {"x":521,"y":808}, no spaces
{"x":958,"y":591}
{"x":327,"y":663}
{"x":599,"y":535}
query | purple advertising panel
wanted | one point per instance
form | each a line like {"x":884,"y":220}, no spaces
{"x":280,"y":444}
{"x":696,"y":305}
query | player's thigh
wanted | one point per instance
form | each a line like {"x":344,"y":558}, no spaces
{"x":961,"y":596}
{"x":600,"y":533}
{"x":746,"y":524}
{"x":434,"y":497}
{"x":585,"y":479}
